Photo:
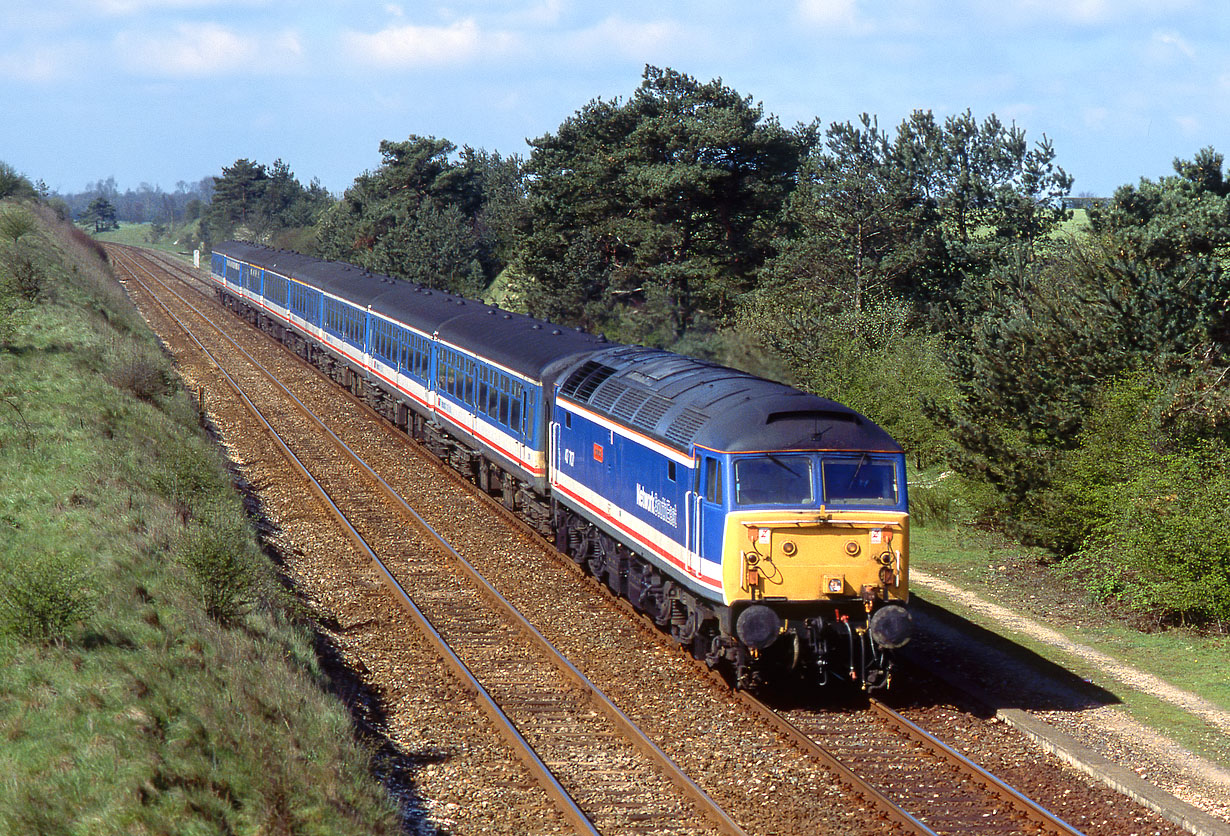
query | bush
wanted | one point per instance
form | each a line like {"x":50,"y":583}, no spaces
{"x":227,"y":571}
{"x":1148,"y":519}
{"x":143,"y":372}
{"x":44,"y":595}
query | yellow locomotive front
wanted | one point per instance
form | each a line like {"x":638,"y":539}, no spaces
{"x":816,"y":551}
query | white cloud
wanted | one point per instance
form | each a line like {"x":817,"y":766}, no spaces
{"x":829,"y":13}
{"x":45,"y":64}
{"x":1170,"y":43}
{"x":1096,"y":117}
{"x":1082,"y":13}
{"x":424,"y":46}
{"x":625,"y":39}
{"x":1189,"y":125}
{"x":205,"y":50}
{"x":128,"y":8}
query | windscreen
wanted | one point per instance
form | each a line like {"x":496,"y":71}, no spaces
{"x":862,"y":481}
{"x":774,"y":480}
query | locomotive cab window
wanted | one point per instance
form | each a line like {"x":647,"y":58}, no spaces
{"x":860,"y":481}
{"x":713,"y":481}
{"x":774,"y":480}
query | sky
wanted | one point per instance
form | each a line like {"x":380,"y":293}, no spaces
{"x":167,"y":92}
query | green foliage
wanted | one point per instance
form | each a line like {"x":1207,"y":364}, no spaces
{"x":1171,"y":222}
{"x":100,"y":214}
{"x":43,"y":595}
{"x":664,"y":204}
{"x":142,"y":371}
{"x":876,"y":360}
{"x":14,"y":185}
{"x":856,"y":225}
{"x":217,"y":550}
{"x":152,"y":716}
{"x":21,"y":273}
{"x":1047,"y":331}
{"x":1150,"y":520}
{"x":260,"y":202}
{"x":428,"y":217}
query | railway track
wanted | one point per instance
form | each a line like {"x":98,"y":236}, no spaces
{"x":598,"y":766}
{"x":831,"y":746}
{"x":936,"y":788}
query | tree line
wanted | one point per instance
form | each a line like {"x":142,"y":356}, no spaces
{"x":1065,"y":382}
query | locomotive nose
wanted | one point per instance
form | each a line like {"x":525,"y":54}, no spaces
{"x":758,"y":626}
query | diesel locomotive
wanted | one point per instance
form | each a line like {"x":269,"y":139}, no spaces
{"x":766,"y":529}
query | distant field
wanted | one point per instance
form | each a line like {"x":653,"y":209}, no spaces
{"x":139,"y":235}
{"x":1078,"y":223}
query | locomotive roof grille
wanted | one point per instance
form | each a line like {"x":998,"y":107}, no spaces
{"x":651,"y":412}
{"x":608,"y":393}
{"x":582,"y":383}
{"x":628,"y":403}
{"x":684,"y":428}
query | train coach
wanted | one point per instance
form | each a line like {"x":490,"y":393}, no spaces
{"x":765,"y":528}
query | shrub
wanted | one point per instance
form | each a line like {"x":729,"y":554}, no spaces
{"x":141,"y":371}
{"x":42,"y":596}
{"x":217,"y":552}
{"x":1164,"y":551}
{"x":1148,"y":519}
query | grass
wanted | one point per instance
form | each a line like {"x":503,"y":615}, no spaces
{"x":173,"y":688}
{"x":1022,"y":580}
{"x":141,"y":235}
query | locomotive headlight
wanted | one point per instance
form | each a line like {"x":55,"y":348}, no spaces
{"x":852,"y":548}
{"x":789,"y":548}
{"x":886,"y":559}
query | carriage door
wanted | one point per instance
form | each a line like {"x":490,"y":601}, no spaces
{"x":710,"y":516}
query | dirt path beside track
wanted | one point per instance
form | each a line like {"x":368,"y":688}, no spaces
{"x":1107,"y":729}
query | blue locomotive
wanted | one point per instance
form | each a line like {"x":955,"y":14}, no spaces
{"x":765,"y":528}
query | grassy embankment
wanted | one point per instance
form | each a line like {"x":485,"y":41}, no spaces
{"x":154,"y":677}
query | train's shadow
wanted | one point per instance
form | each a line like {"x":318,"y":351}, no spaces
{"x":995,"y":671}
{"x":953,"y":661}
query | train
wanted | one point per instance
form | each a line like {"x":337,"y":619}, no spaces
{"x":764,"y":528}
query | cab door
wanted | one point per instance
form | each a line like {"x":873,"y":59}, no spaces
{"x":709,"y":513}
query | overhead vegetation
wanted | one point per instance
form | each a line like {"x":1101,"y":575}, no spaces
{"x":428,"y":218}
{"x":261,"y":203}
{"x":650,"y":215}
